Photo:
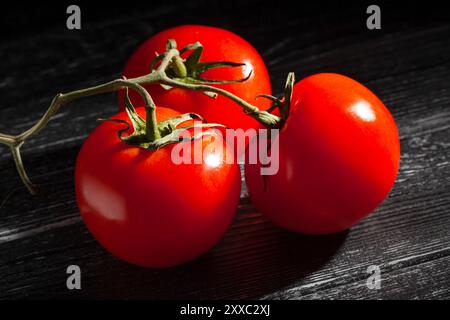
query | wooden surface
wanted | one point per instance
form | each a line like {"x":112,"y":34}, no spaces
{"x":407,"y":64}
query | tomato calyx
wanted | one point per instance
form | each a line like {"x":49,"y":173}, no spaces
{"x":283,"y":104}
{"x":168,"y":130}
{"x":190,"y":69}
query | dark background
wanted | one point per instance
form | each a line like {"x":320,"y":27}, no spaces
{"x":407,"y":63}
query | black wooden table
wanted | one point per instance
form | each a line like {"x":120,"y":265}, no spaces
{"x":407,"y":63}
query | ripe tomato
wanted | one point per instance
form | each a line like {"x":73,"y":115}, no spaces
{"x":219,"y":45}
{"x":338,"y":158}
{"x":147,"y":210}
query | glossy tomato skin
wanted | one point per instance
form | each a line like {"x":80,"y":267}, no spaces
{"x":147,"y":210}
{"x":219,"y":45}
{"x":339,"y":156}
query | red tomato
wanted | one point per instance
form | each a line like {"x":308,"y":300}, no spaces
{"x":219,"y":45}
{"x":338,"y":158}
{"x":147,"y":210}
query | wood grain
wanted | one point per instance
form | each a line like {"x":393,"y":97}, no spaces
{"x":407,"y":64}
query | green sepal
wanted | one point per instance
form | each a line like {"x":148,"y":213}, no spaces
{"x":194,"y":58}
{"x":165,"y":86}
{"x":174,"y":136}
{"x":190,"y":47}
{"x":283,"y":104}
{"x":287,"y":99}
{"x":130,"y":139}
{"x":199,"y":80}
{"x":155,"y":61}
{"x":138,"y":136}
{"x":136,"y":121}
{"x":202,"y":67}
{"x":276,"y":103}
{"x":167,"y":126}
{"x":275,"y":100}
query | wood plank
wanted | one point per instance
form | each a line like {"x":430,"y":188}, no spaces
{"x":407,"y":65}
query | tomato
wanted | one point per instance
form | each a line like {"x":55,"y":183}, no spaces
{"x":147,"y":210}
{"x":219,"y":45}
{"x":338,"y":158}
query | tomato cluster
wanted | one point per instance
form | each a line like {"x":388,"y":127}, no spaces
{"x":338,"y":159}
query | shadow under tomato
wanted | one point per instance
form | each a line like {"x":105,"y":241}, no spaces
{"x":255,"y":258}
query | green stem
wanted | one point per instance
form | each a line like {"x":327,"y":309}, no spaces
{"x":152,"y":133}
{"x":7,"y":139}
{"x":21,"y":170}
{"x":64,"y":98}
{"x":266,"y":118}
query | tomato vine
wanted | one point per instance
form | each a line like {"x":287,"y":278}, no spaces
{"x":172,"y":71}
